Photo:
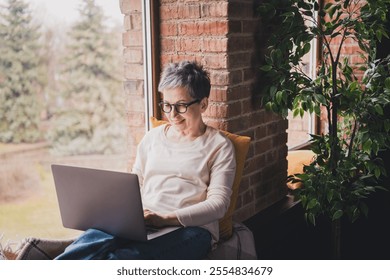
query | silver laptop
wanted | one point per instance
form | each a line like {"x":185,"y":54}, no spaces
{"x":106,"y":200}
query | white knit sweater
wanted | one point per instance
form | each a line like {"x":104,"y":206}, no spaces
{"x":192,"y":179}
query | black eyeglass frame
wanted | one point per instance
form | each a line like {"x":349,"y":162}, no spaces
{"x":186,"y":105}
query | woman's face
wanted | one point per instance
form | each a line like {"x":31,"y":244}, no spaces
{"x":192,"y":118}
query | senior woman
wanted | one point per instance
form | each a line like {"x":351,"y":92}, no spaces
{"x":185,"y":169}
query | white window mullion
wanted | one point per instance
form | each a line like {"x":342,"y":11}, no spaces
{"x":147,"y":53}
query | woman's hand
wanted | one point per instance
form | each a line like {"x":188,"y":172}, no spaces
{"x":160,"y":220}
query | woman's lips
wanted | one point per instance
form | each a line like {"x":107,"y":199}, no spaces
{"x":176,"y":122}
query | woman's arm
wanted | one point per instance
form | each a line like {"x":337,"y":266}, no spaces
{"x":214,"y":207}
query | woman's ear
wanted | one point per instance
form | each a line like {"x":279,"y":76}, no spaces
{"x":204,"y":103}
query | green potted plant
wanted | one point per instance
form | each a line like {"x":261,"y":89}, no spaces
{"x":346,"y":167}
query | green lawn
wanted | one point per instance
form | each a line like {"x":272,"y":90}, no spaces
{"x":37,"y":216}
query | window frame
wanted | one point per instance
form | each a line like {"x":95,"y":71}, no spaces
{"x":314,"y":120}
{"x":151,"y":52}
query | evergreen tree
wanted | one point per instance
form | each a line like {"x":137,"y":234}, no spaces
{"x":19,"y":74}
{"x":89,"y":117}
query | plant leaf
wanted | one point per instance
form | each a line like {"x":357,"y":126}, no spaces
{"x":337,"y":215}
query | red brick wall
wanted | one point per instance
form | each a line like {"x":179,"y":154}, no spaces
{"x":220,"y":35}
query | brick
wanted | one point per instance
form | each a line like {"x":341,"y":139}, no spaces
{"x":247,"y":197}
{"x":261,"y":132}
{"x":255,"y":178}
{"x":241,"y":10}
{"x":133,"y":87}
{"x":216,"y":110}
{"x":132,"y":39}
{"x":191,"y":28}
{"x":250,"y":26}
{"x":218,"y":94}
{"x":283,"y":124}
{"x":168,"y":58}
{"x":165,"y":59}
{"x":127,"y":22}
{"x":135,"y":22}
{"x":169,"y":12}
{"x":180,"y":11}
{"x":271,"y":156}
{"x":254,"y":164}
{"x":356,"y":60}
{"x":247,"y":105}
{"x":216,"y":27}
{"x":168,"y":29}
{"x":215,"y":44}
{"x":234,"y":109}
{"x":280,"y":140}
{"x":239,"y":92}
{"x":168,"y":45}
{"x":271,"y":117}
{"x":216,"y":9}
{"x":272,"y":128}
{"x":257,"y":119}
{"x":249,"y":73}
{"x":217,"y":61}
{"x":189,"y":11}
{"x":263,"y":145}
{"x":134,"y":72}
{"x":128,"y":6}
{"x":132,"y":55}
{"x":350,"y":48}
{"x":282,"y":153}
{"x":236,"y":77}
{"x":241,"y":43}
{"x":219,"y":78}
{"x":238,"y":124}
{"x":203,"y":28}
{"x":216,"y":123}
{"x":234,"y":26}
{"x":189,"y":44}
{"x":242,"y":59}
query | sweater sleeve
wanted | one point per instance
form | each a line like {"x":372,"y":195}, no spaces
{"x":222,"y":166}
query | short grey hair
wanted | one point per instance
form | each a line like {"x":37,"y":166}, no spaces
{"x":186,"y":74}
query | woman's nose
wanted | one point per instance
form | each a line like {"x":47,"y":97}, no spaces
{"x":173,"y":112}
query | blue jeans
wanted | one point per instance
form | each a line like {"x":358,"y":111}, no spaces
{"x":183,"y":244}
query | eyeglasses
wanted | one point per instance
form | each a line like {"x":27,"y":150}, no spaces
{"x":180,"y":107}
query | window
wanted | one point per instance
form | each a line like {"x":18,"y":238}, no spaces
{"x":150,"y":14}
{"x":299,"y":129}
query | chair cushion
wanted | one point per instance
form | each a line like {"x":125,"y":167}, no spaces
{"x":241,"y":147}
{"x":241,"y":246}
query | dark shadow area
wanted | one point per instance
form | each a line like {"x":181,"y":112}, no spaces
{"x":281,"y":233}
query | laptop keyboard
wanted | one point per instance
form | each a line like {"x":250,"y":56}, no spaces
{"x":150,"y":230}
